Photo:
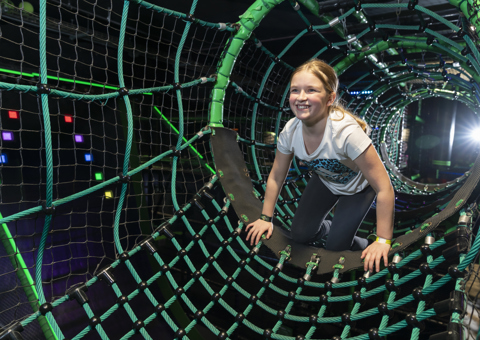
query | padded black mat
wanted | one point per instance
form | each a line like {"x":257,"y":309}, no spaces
{"x":236,"y":182}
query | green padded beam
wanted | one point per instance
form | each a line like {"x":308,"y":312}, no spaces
{"x":247,"y":24}
{"x":473,"y":16}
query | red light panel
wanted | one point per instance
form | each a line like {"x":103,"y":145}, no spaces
{"x":13,"y":114}
{"x":68,"y":119}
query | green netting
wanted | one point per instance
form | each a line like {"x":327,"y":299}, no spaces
{"x":115,"y":224}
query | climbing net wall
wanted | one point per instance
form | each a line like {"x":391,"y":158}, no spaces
{"x":116,"y":222}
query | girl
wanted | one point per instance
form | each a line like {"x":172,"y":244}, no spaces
{"x":349,"y":173}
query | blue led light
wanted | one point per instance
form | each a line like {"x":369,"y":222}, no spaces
{"x":88,"y":157}
{"x":361,"y":92}
{"x":3,"y":159}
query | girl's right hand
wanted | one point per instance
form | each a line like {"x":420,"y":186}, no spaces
{"x":258,"y":228}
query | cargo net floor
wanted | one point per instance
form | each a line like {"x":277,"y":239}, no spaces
{"x":118,"y":222}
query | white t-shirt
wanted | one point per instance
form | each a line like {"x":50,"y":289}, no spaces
{"x":343,"y":141}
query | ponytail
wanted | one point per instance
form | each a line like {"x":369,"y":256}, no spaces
{"x":339,"y":107}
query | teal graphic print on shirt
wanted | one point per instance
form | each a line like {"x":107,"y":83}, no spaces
{"x":331,"y":169}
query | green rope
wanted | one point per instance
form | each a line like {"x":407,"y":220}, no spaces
{"x":181,"y":15}
{"x":128,"y":146}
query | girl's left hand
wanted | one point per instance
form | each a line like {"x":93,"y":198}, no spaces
{"x":258,"y":228}
{"x":373,"y":255}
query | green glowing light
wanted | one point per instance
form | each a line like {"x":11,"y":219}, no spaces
{"x":444,"y":163}
{"x":21,"y":268}
{"x":80,"y":82}
{"x":16,"y":72}
{"x":184,"y":139}
{"x":98,"y":176}
{"x":418,"y":119}
{"x":414,"y":177}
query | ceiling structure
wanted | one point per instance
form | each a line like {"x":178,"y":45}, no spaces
{"x":277,"y":30}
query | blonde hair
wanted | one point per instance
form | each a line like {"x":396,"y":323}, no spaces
{"x":329,"y":78}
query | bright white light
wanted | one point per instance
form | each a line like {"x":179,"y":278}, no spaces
{"x":475,"y":135}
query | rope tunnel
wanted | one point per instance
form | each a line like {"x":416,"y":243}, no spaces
{"x":137,"y":138}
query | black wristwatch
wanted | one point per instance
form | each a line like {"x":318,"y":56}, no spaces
{"x":265,"y":218}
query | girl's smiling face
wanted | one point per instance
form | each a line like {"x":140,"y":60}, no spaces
{"x":309,"y":100}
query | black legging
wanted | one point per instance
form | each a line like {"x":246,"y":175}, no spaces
{"x":317,"y":200}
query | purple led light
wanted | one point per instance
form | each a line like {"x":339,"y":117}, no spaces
{"x":7,"y":135}
{"x":79,"y":138}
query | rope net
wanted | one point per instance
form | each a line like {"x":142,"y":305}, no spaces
{"x":114,"y":221}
